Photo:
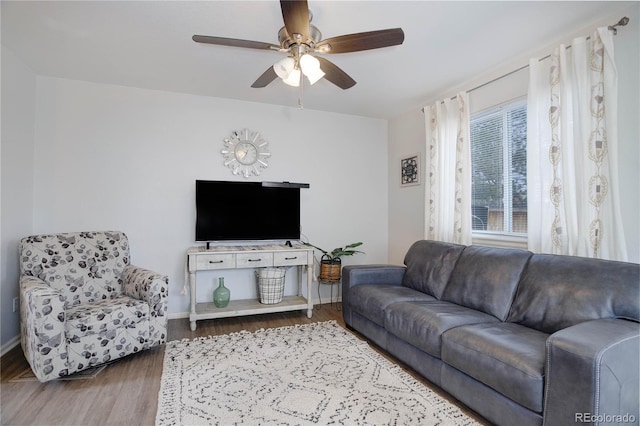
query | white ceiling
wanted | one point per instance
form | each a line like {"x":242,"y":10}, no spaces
{"x":148,"y":44}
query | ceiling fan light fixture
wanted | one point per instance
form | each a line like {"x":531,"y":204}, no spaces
{"x":284,"y":67}
{"x":293,"y":79}
{"x":310,"y":66}
{"x":309,"y":63}
{"x":314,"y":75}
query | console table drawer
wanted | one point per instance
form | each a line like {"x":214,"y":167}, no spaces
{"x":289,"y":258}
{"x":215,"y":261}
{"x":254,"y":260}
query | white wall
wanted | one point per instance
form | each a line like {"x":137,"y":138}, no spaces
{"x":406,"y":204}
{"x":18,"y":119}
{"x":406,"y":134}
{"x":112,"y":157}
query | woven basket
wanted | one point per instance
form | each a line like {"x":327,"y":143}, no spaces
{"x":330,"y":270}
{"x":270,"y":285}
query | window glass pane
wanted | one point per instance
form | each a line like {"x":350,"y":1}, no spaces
{"x":517,"y":126}
{"x":499,"y":169}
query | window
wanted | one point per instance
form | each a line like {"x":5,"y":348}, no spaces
{"x":499,"y":169}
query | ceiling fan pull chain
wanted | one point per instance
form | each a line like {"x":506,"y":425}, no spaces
{"x":301,"y":97}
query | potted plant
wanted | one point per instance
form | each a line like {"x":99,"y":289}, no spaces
{"x":331,"y":263}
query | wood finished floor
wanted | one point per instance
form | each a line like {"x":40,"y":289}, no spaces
{"x":126,"y":392}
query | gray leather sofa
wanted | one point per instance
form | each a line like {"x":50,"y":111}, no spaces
{"x":520,"y":338}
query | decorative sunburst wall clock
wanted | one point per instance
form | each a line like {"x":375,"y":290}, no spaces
{"x":245,"y":152}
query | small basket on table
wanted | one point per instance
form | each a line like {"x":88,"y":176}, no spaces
{"x":271,"y":285}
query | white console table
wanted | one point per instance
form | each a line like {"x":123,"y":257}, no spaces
{"x":235,"y":257}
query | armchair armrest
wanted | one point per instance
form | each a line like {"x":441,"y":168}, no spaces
{"x":153,"y":288}
{"x":354,"y":275}
{"x":42,"y":323}
{"x":592,"y":373}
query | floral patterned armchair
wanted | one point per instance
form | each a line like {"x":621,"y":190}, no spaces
{"x":82,"y":303}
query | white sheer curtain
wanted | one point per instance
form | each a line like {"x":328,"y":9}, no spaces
{"x":448,"y":171}
{"x":572,"y":185}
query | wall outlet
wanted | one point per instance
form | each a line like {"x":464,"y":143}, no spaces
{"x":16,"y":304}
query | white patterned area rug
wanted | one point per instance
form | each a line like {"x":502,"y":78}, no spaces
{"x":313,"y":374}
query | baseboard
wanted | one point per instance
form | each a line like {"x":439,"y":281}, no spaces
{"x":178,"y":315}
{"x":10,"y":345}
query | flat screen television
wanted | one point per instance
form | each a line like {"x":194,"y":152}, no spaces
{"x":249,"y":211}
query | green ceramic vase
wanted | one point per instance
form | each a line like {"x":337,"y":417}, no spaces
{"x":221,"y":295}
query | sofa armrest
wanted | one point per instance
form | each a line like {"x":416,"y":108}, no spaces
{"x":42,"y":323}
{"x":592,"y":373}
{"x":153,"y":288}
{"x":354,"y":275}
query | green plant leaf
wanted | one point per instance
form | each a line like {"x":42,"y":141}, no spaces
{"x":338,"y":252}
{"x":354,"y":245}
{"x":316,"y":247}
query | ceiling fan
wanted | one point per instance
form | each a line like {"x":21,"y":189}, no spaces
{"x":300,"y":40}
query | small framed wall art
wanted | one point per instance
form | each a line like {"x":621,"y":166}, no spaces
{"x":410,"y":170}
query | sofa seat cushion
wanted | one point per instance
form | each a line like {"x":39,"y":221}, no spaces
{"x":104,"y":316}
{"x":370,"y":301}
{"x":504,"y":356}
{"x":422,"y":323}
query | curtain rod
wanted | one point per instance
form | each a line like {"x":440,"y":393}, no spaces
{"x":621,"y":23}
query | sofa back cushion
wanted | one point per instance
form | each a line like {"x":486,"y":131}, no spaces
{"x":486,"y":278}
{"x":429,"y":265}
{"x":560,"y":291}
{"x":84,"y":266}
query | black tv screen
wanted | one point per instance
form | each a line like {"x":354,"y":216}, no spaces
{"x":246,"y":211}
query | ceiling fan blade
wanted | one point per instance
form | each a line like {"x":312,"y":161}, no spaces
{"x":295,"y":14}
{"x":335,"y":74}
{"x":234,"y":42}
{"x":267,"y":77}
{"x":361,"y":41}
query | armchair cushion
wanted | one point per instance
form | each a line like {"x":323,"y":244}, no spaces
{"x":106,"y":330}
{"x":84,"y":266}
{"x":105,"y":316}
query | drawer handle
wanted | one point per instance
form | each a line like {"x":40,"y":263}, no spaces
{"x":254,"y":260}
{"x":216,"y":261}
{"x":291,"y":258}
